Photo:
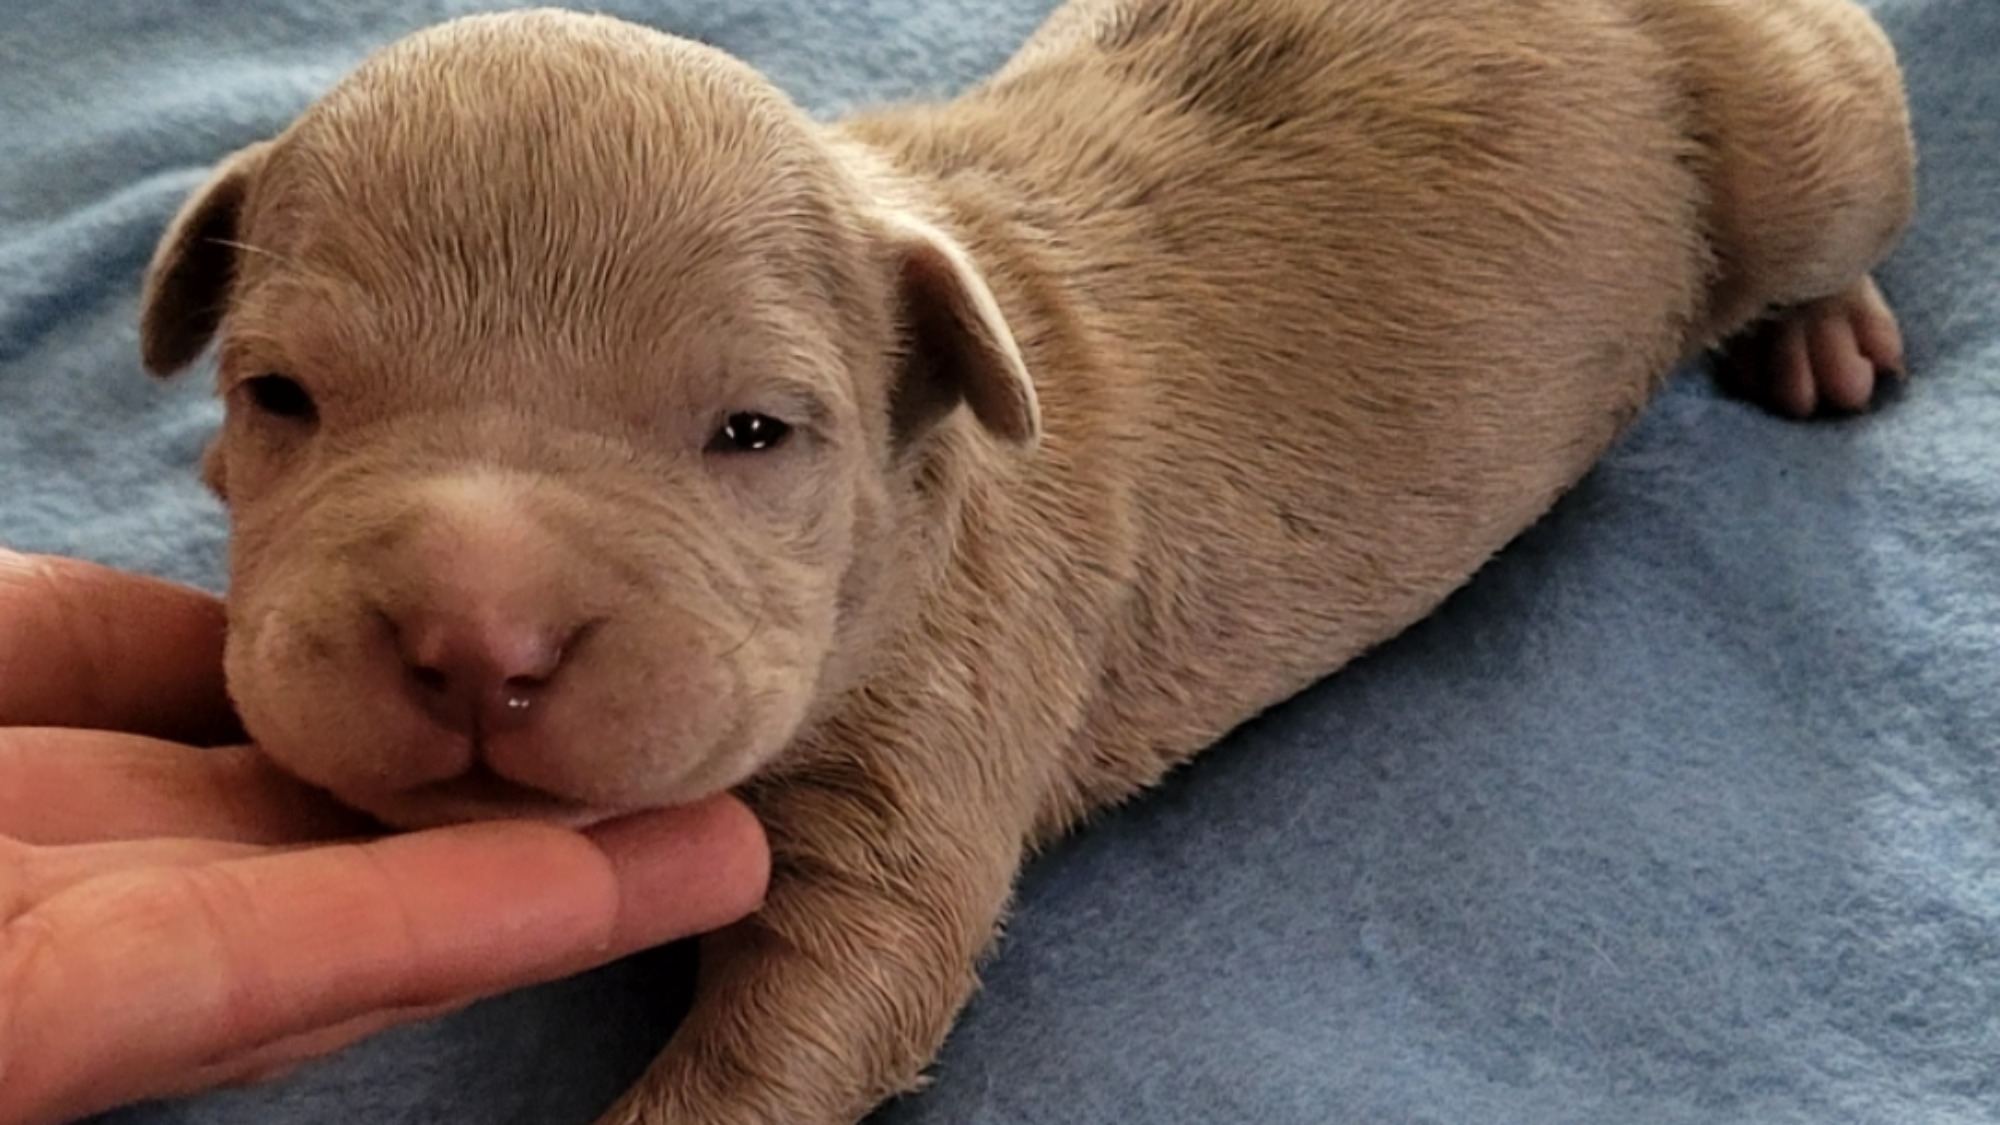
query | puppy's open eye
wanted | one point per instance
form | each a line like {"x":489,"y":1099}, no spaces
{"x":281,"y":397}
{"x":749,"y":433}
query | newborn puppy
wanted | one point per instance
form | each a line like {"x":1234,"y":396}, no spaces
{"x":602,"y":433}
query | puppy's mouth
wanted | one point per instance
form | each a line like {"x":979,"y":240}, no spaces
{"x":478,"y":794}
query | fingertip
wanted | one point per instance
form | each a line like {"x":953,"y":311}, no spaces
{"x":751,"y":848}
{"x":686,"y":870}
{"x":741,"y":837}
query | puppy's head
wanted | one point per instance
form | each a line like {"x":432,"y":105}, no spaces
{"x":569,"y":378}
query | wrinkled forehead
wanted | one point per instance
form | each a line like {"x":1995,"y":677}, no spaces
{"x":592,"y":196}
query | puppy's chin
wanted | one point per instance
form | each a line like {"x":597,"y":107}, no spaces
{"x":475,"y":796}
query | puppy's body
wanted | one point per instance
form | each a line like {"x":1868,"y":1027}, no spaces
{"x":1326,"y":303}
{"x":1321,"y":305}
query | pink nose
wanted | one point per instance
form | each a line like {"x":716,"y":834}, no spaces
{"x":478,"y":675}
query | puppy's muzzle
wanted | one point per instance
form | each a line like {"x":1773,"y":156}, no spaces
{"x":481,"y":670}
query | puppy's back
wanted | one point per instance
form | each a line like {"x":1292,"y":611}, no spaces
{"x":1355,"y":289}
{"x":1413,"y":192}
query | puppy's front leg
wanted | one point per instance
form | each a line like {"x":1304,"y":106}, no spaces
{"x":837,"y":994}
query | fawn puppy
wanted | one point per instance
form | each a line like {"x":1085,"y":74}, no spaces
{"x":603,"y":433}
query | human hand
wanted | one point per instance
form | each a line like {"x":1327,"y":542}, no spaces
{"x":173,"y":918}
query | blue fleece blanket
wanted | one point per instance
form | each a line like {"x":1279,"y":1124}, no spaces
{"x":1687,"y":810}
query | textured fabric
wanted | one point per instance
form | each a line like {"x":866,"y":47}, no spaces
{"x":1684,"y":811}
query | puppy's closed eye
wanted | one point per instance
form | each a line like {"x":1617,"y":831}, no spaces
{"x":281,"y":396}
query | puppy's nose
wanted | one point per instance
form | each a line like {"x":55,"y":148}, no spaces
{"x":478,"y":675}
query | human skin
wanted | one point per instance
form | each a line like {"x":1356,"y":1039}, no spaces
{"x":174,"y":918}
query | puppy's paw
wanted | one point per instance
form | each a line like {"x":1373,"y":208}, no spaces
{"x":1830,"y":357}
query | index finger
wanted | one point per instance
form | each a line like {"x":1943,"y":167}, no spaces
{"x":83,"y":645}
{"x":119,"y":988}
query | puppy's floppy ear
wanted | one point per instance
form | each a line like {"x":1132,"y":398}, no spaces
{"x":956,"y":345}
{"x":187,"y":285}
